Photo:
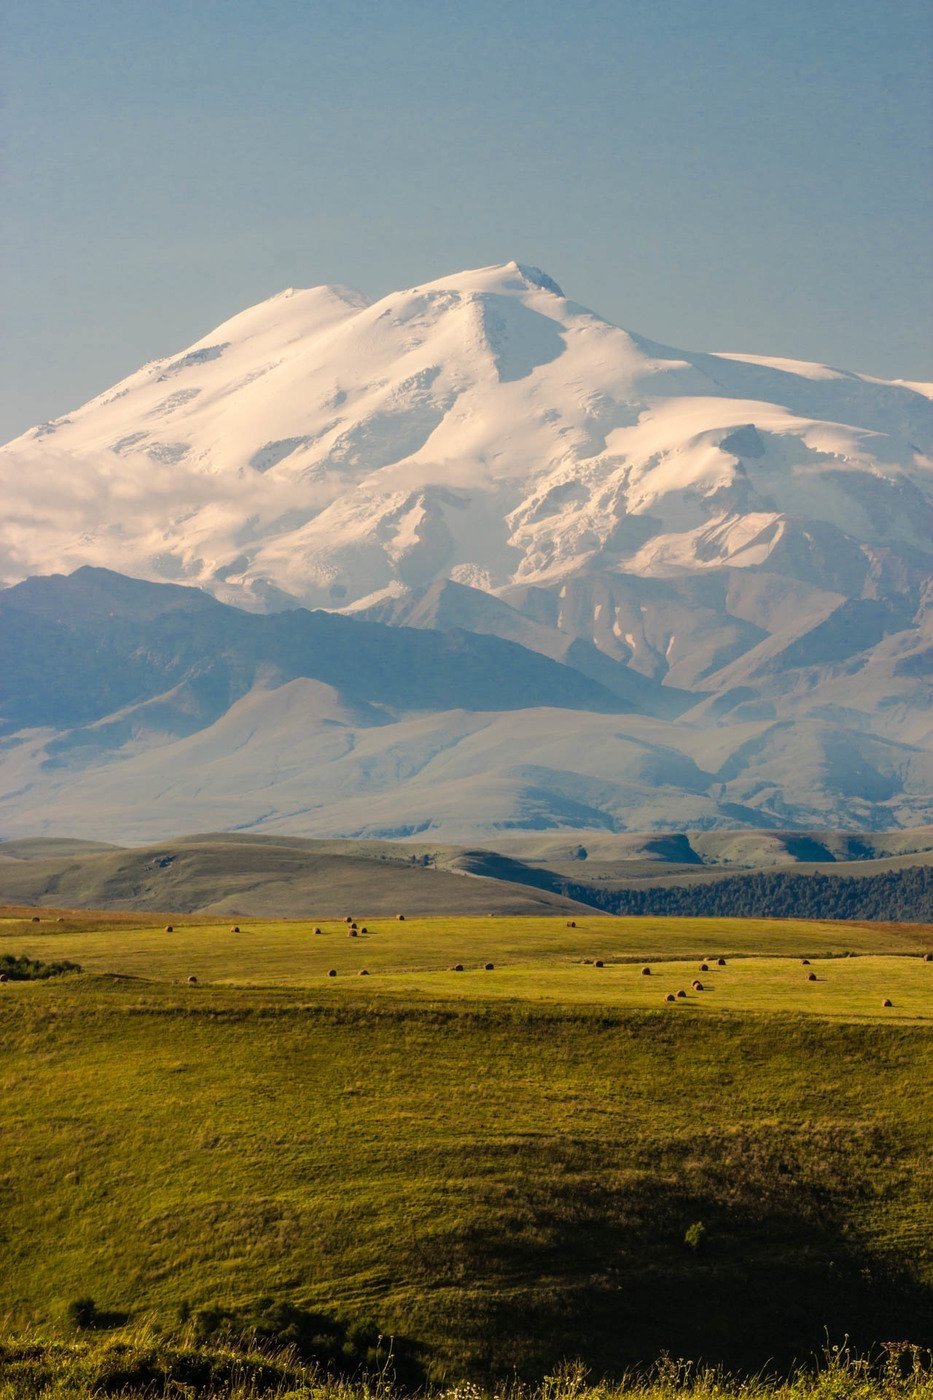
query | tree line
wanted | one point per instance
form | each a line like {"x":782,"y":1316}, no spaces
{"x":896,"y":896}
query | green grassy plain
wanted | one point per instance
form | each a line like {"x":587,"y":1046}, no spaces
{"x":499,"y":1166}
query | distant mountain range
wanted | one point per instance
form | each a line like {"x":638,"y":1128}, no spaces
{"x":137,"y":711}
{"x":570,"y":579}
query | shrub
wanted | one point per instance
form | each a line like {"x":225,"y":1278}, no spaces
{"x":696,"y":1233}
{"x":82,"y":1312}
{"x":21,"y":968}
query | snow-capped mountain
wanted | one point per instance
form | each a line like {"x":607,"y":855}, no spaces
{"x":481,"y":428}
{"x":736,"y":549}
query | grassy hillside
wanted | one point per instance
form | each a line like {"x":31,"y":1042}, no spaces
{"x":248,"y":875}
{"x":535,"y":959}
{"x":285,"y":876}
{"x":500,"y":1168}
{"x":140,"y":1364}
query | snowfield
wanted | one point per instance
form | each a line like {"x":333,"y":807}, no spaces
{"x":482,"y":428}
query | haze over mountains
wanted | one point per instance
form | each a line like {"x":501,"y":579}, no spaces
{"x":588,"y":582}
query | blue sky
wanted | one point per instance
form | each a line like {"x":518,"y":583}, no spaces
{"x":717,"y":174}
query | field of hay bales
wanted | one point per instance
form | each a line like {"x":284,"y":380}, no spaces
{"x":502,"y":1168}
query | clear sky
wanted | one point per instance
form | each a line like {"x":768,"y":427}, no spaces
{"x":718,"y":174}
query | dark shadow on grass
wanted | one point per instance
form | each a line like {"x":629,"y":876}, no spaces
{"x":601,"y":1270}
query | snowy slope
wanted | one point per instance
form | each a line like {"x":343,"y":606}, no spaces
{"x":482,"y":428}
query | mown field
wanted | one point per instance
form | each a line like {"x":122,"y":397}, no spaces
{"x":501,"y":1169}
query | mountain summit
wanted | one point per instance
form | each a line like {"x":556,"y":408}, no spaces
{"x":319,"y":448}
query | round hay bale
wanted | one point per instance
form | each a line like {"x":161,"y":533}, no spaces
{"x":192,"y":981}
{"x":720,"y":962}
{"x":887,"y":1002}
{"x":348,"y":919}
{"x":457,"y":967}
{"x":704,"y":967}
{"x":811,"y":976}
{"x":315,"y":930}
{"x":928,"y":957}
{"x":681,"y":993}
{"x":646,"y":972}
{"x":353,"y":933}
{"x":235,"y":928}
{"x":805,"y":962}
{"x":598,"y":962}
{"x":354,"y":924}
{"x":401,"y":918}
{"x":490,"y":967}
{"x":698,"y":986}
{"x":363,"y":972}
{"x":3,"y":977}
{"x":332,"y":972}
{"x":364,"y":929}
{"x":35,"y":918}
{"x":571,"y":923}
{"x":169,"y":928}
{"x":670,"y":997}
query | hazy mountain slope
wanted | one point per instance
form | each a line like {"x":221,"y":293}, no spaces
{"x":136,"y":710}
{"x":76,"y":650}
{"x":445,"y":604}
{"x":294,"y":760}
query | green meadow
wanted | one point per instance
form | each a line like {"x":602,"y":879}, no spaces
{"x":501,"y":1169}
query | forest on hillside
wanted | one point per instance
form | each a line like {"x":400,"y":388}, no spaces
{"x":896,"y":896}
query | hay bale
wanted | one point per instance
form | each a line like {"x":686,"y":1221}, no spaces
{"x":704,"y":967}
{"x":698,"y":986}
{"x":805,"y":962}
{"x":490,"y":967}
{"x":401,"y":918}
{"x":235,"y":928}
{"x":364,"y":929}
{"x":363,"y":972}
{"x":646,"y":972}
{"x":3,"y":977}
{"x":332,"y":972}
{"x":457,"y":967}
{"x":887,"y":1002}
{"x":571,"y":923}
{"x":670,"y":997}
{"x":352,"y":933}
{"x":35,"y":918}
{"x":928,"y":957}
{"x":681,"y":993}
{"x":354,"y":924}
{"x":811,"y":976}
{"x":315,"y":930}
{"x":169,"y":928}
{"x":720,"y":962}
{"x":348,"y":919}
{"x":598,"y":963}
{"x":192,"y":981}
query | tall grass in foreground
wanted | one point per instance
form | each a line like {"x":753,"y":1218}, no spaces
{"x":143,"y":1363}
